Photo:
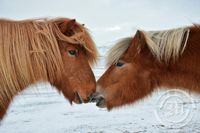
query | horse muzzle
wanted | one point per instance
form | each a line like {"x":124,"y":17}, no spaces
{"x":99,"y":99}
{"x":79,"y":100}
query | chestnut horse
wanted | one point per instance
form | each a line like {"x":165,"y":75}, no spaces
{"x":149,"y":61}
{"x":59,"y":51}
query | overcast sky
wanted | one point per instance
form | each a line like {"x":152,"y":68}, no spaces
{"x":109,"y":20}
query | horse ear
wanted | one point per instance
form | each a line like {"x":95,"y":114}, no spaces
{"x":139,"y":34}
{"x":141,"y":38}
{"x":67,"y":25}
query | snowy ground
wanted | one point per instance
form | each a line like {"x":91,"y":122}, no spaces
{"x":43,"y":110}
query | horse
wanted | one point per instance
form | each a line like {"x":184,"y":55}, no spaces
{"x":57,"y":50}
{"x":147,"y":62}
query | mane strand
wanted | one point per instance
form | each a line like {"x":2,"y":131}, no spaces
{"x":167,"y":44}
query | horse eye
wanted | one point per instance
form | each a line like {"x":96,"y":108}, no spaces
{"x":119,"y":64}
{"x":72,"y":52}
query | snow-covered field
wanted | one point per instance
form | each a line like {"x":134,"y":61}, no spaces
{"x":44,"y":110}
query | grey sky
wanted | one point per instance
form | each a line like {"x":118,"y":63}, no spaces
{"x":109,"y":20}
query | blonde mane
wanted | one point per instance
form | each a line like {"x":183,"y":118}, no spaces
{"x":29,"y":52}
{"x":168,"y":44}
{"x":164,"y":45}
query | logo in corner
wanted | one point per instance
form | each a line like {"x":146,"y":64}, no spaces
{"x":175,"y":108}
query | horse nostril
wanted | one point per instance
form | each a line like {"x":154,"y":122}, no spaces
{"x":101,"y":102}
{"x":95,"y":97}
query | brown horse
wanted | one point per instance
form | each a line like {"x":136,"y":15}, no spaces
{"x":148,"y":61}
{"x":59,"y":51}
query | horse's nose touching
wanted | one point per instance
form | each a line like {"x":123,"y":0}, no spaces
{"x":98,"y":98}
{"x":79,"y":99}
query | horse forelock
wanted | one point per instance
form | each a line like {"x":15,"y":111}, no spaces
{"x":89,"y":46}
{"x":116,"y":52}
{"x":82,"y":38}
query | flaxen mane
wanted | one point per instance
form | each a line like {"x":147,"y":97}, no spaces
{"x":164,"y":45}
{"x":167,"y":44}
{"x":29,"y":52}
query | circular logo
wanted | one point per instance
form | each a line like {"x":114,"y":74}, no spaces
{"x":175,"y":108}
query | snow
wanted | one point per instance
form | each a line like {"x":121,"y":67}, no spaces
{"x":41,"y":109}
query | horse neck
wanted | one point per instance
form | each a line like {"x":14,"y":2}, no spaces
{"x":185,"y":72}
{"x":179,"y":79}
